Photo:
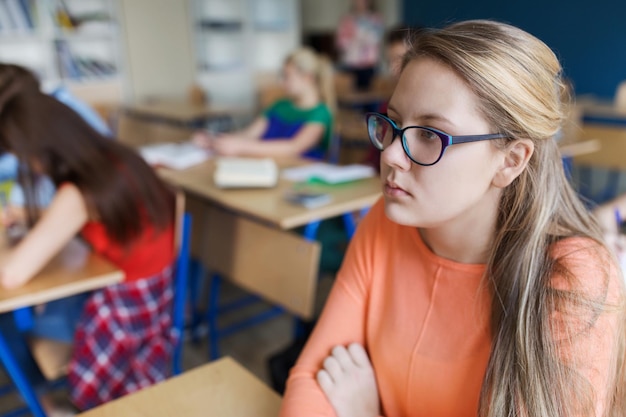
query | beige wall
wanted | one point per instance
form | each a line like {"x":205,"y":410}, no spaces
{"x":158,"y":49}
{"x":324,"y":15}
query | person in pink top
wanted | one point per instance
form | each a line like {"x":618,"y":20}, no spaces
{"x":478,"y":285}
{"x":358,"y":38}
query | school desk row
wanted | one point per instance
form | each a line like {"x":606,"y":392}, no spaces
{"x":230,"y":236}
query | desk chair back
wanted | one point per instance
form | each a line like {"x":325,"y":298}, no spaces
{"x":181,"y":273}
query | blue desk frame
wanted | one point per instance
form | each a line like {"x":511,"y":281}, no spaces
{"x":214,"y":309}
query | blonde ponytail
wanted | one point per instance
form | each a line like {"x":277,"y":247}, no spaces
{"x":326,"y":83}
{"x":310,"y":62}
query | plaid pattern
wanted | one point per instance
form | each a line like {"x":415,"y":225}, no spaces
{"x":124,"y":340}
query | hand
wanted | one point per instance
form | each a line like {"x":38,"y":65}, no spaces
{"x":203,"y":139}
{"x":229,"y":146}
{"x":12,"y":215}
{"x":349,"y":382}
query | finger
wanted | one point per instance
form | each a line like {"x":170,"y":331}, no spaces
{"x":359,"y":355}
{"x":343,"y":357}
{"x":325,"y":381}
{"x":331,"y":365}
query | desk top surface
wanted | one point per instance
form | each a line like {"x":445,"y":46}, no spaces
{"x":269,"y":205}
{"x":179,"y":110}
{"x":601,"y":108}
{"x":73,"y":271}
{"x":612,"y":147}
{"x":221,"y":388}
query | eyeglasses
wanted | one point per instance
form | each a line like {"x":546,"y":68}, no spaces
{"x":423,"y":145}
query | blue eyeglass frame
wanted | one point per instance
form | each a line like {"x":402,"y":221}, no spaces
{"x":446,"y":139}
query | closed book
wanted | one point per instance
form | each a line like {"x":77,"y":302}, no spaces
{"x":6,"y":18}
{"x":245,"y":173}
{"x":27,"y":11}
{"x":18,"y":16}
{"x":69,"y":67}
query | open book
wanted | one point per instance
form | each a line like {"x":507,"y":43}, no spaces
{"x":245,"y":173}
{"x":174,"y":155}
{"x":328,"y":173}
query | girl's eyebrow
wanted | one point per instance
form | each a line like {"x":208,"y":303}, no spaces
{"x":436,"y":117}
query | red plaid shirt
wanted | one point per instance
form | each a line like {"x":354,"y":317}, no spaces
{"x":124,"y":340}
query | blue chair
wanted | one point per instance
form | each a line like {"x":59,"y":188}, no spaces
{"x":180,"y":290}
{"x":23,"y":319}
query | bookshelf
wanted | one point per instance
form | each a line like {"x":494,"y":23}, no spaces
{"x":75,"y":43}
{"x":235,"y":41}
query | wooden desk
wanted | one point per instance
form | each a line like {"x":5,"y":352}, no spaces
{"x":222,"y":388}
{"x":268,"y":205}
{"x":170,"y":121}
{"x":612,"y":147}
{"x":75,"y":270}
{"x":232,"y":229}
{"x":601,"y":112}
{"x":180,"y":111}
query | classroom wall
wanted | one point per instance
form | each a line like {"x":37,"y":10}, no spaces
{"x":588,"y":36}
{"x":159,"y":57}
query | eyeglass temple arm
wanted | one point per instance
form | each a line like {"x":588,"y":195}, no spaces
{"x":474,"y":138}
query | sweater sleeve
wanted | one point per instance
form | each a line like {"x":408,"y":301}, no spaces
{"x":585,"y":323}
{"x":342,"y":322}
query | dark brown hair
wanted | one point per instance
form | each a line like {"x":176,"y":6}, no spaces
{"x":121,"y":191}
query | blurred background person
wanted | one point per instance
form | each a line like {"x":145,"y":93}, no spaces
{"x":359,"y":36}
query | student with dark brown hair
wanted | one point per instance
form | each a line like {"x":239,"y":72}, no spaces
{"x":110,"y":197}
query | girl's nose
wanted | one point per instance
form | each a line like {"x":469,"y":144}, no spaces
{"x":394,"y":156}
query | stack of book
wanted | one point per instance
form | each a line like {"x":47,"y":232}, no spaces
{"x":16,"y":16}
{"x":76,"y":67}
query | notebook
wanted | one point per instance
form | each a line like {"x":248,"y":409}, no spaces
{"x":174,"y":155}
{"x":328,"y":173}
{"x":245,"y":173}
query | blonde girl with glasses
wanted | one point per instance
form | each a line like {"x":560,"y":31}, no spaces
{"x":478,"y":285}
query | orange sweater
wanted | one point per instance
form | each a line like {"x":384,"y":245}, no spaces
{"x":424,"y":321}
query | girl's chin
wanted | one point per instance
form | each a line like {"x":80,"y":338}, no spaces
{"x":400,"y":212}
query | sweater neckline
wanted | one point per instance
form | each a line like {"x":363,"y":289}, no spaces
{"x":477,"y":269}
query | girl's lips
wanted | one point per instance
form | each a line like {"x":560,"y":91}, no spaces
{"x":394,"y":190}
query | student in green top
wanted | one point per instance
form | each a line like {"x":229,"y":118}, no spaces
{"x":298,"y":125}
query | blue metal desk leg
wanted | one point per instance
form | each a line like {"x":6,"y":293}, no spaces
{"x":310,"y":232}
{"x":19,"y":379}
{"x":212,"y":312}
{"x":196,"y":278}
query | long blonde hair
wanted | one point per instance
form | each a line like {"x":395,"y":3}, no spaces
{"x":517,"y":80}
{"x":307,"y":61}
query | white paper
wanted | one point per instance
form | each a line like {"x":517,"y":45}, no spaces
{"x":174,"y":155}
{"x":328,"y":173}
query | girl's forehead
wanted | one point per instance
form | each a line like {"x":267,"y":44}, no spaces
{"x":428,"y":88}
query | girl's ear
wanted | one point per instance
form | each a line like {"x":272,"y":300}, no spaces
{"x":516,"y":157}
